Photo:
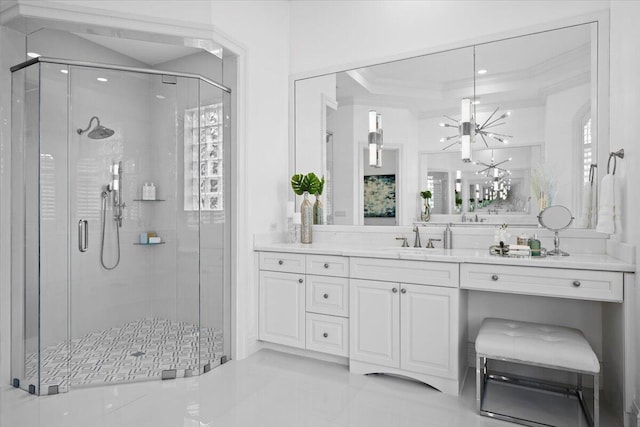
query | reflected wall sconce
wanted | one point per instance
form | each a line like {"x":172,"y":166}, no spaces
{"x":468,"y":129}
{"x":375,"y":139}
{"x":458,"y":181}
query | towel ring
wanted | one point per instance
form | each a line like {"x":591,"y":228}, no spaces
{"x":614,"y":155}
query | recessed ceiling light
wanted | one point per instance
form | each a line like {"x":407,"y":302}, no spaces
{"x":160,"y":97}
{"x":102,"y":79}
{"x":476,"y":102}
{"x":482,"y":71}
{"x":64,"y":71}
{"x":33,"y":54}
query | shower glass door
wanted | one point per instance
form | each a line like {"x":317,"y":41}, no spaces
{"x":120,"y":237}
{"x":134,"y":252}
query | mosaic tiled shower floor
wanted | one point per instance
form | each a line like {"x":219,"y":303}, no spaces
{"x":137,"y":351}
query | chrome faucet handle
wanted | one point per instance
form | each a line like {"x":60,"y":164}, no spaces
{"x":405,"y":243}
{"x":430,"y":243}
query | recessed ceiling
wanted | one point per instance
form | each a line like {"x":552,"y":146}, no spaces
{"x":148,"y":52}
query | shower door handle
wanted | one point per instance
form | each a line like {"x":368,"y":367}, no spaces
{"x":83,"y":235}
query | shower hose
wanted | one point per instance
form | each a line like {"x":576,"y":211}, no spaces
{"x":105,"y":195}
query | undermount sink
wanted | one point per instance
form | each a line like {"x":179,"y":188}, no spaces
{"x":412,"y":250}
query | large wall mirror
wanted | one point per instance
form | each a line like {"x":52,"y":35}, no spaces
{"x":529,"y":105}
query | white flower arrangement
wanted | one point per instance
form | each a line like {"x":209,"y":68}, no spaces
{"x":501,"y":234}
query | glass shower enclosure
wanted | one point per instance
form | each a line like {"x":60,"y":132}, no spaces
{"x":120,"y":225}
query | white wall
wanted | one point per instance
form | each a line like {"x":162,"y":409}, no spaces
{"x":331,"y":35}
{"x":262,"y":30}
{"x":625,"y":105}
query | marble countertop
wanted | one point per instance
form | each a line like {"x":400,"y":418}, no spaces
{"x":574,"y":261}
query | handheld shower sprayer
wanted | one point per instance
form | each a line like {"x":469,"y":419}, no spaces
{"x":115,"y":188}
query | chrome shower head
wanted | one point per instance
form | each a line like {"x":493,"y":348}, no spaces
{"x":99,"y":132}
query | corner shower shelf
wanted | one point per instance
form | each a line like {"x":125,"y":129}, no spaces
{"x":149,"y":200}
{"x":149,"y":244}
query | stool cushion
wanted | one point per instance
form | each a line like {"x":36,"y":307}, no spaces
{"x":536,"y":343}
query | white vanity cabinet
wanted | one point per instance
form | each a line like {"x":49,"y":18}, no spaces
{"x":281,"y":305}
{"x":412,"y":329}
{"x":304,"y":301}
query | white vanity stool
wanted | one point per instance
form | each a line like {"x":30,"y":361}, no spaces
{"x":535,"y":344}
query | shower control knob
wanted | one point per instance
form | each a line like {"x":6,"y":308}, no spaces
{"x":280,"y":262}
{"x":326,"y":335}
{"x":326,"y":296}
{"x":300,"y":280}
{"x":494,"y":277}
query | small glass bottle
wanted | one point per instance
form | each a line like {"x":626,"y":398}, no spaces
{"x":534,"y":245}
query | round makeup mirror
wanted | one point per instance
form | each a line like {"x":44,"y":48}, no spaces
{"x":556,"y":218}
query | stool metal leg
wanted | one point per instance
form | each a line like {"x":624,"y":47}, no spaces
{"x":478,"y":384}
{"x":596,"y":400}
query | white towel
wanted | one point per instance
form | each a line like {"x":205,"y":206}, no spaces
{"x":607,"y":210}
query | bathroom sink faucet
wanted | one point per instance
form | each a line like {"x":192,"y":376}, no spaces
{"x":416,"y":242}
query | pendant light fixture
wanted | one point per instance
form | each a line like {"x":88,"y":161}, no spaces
{"x":468,"y":129}
{"x":375,"y":139}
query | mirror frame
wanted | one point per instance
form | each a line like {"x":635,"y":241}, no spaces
{"x":600,"y":126}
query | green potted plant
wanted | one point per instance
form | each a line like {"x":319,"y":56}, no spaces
{"x":426,"y":195}
{"x":318,"y":215}
{"x":302,"y":185}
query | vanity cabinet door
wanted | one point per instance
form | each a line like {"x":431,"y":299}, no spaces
{"x":375,"y":322}
{"x":428,"y":315}
{"x":282,"y":308}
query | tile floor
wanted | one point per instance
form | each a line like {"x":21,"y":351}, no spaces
{"x":266,"y":389}
{"x":136,"y":351}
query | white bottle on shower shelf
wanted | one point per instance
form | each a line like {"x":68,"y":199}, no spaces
{"x":148,"y":191}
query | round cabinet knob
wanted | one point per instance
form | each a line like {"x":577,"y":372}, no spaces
{"x":394,"y":290}
{"x":300,"y":280}
{"x":403,"y":290}
{"x":576,"y":283}
{"x":494,"y":277}
{"x":325,"y":296}
{"x":326,"y":265}
{"x":325,"y":335}
{"x":280,"y":262}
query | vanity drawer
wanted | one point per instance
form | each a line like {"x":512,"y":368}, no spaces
{"x":327,"y":265}
{"x":328,"y":334}
{"x":328,"y":295}
{"x":552,"y":282}
{"x":282,"y":261}
{"x":395,"y":270}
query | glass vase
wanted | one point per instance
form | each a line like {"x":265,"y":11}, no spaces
{"x":426,"y":215}
{"x":306,"y":214}
{"x":318,"y":211}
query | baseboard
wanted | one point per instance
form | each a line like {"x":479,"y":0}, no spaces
{"x":305,"y":353}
